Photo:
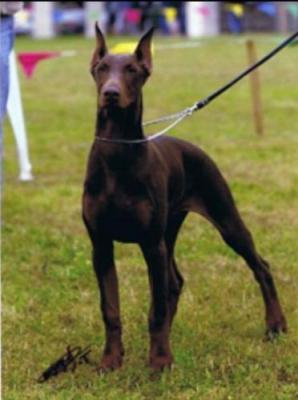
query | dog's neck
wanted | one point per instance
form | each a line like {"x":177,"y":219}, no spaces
{"x":118,"y":123}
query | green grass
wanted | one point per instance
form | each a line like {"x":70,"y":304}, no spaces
{"x":50,"y":296}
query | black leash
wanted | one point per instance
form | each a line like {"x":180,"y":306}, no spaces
{"x":201,"y":104}
{"x":179,"y":116}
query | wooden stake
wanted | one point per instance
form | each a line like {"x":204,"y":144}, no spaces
{"x":255,"y":89}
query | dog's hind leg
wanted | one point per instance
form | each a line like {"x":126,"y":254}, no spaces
{"x":175,"y":278}
{"x":215,"y":202}
{"x":236,"y":235}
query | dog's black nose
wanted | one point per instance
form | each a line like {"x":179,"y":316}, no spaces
{"x":111,"y":94}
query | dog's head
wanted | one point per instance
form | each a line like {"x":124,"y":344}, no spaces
{"x":119,"y":78}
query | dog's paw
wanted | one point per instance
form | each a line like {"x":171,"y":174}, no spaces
{"x":110,"y":362}
{"x":275,"y":328}
{"x":160,"y":363}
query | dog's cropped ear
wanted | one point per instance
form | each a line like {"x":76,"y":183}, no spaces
{"x":100,"y":41}
{"x":101,"y":48}
{"x":143,"y":51}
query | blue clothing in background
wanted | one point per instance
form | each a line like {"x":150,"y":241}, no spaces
{"x":6,"y":43}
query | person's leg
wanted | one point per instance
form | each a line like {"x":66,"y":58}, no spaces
{"x":6,"y":39}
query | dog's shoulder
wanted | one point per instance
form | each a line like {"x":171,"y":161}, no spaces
{"x":173,"y":148}
{"x":182,"y":155}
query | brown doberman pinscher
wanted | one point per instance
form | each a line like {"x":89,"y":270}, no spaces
{"x":141,"y":193}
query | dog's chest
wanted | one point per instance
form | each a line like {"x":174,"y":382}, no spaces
{"x":121,"y":208}
{"x":127,"y":197}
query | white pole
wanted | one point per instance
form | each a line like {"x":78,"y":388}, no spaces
{"x":16,"y":116}
{"x":94,"y":11}
{"x":202,"y":18}
{"x":43,"y":24}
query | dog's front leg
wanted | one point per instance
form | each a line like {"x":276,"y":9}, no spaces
{"x":157,"y":260}
{"x":103,"y":261}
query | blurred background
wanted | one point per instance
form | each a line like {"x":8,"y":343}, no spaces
{"x":48,"y":19}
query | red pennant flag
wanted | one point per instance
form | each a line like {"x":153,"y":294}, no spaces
{"x":30,"y":60}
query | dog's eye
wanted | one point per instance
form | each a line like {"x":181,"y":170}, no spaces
{"x":103,"y":68}
{"x":130,"y":68}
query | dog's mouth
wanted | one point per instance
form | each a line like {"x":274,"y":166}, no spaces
{"x":111,"y":103}
{"x":112,"y":110}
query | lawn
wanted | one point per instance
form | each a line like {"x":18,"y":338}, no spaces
{"x":50,"y":297}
